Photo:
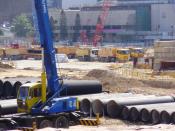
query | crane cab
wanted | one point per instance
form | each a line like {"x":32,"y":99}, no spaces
{"x":28,"y":95}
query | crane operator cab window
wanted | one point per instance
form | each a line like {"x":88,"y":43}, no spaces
{"x":23,"y":93}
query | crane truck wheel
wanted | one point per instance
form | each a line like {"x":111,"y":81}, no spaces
{"x":61,"y":122}
{"x":45,"y":123}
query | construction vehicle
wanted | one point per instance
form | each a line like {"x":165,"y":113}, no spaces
{"x":87,"y":53}
{"x":122,"y":54}
{"x":70,"y":51}
{"x":14,"y":45}
{"x":14,"y":54}
{"x":136,"y":52}
{"x":34,"y":52}
{"x":41,"y":102}
{"x":107,"y":54}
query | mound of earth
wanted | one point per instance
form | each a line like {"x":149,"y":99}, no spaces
{"x":115,"y":83}
{"x":112,"y":82}
{"x":5,"y":66}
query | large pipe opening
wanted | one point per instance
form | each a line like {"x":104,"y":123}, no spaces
{"x":155,"y":117}
{"x":125,"y":113}
{"x":7,"y":89}
{"x":165,"y":117}
{"x":97,"y":107}
{"x":16,"y":86}
{"x":173,"y":118}
{"x":144,"y":115}
{"x":113,"y":109}
{"x":134,"y":114}
{"x":1,"y":88}
{"x":85,"y":106}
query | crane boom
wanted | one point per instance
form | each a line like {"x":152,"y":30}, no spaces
{"x":47,"y":44}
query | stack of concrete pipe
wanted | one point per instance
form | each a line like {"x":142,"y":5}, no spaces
{"x":151,"y":113}
{"x":9,"y":89}
{"x":8,"y":107}
{"x":102,"y":104}
{"x":125,"y":107}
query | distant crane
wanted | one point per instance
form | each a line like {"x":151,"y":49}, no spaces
{"x":83,"y":35}
{"x":100,"y":25}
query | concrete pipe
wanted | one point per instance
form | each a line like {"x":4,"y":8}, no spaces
{"x":79,"y":87}
{"x":114,"y":107}
{"x":16,"y":86}
{"x":145,"y":115}
{"x":125,"y":113}
{"x":7,"y":89}
{"x":28,"y":82}
{"x":134,"y":114}
{"x":173,"y":118}
{"x":8,"y":107}
{"x":155,"y":117}
{"x":85,"y":106}
{"x":8,"y":101}
{"x":1,"y":88}
{"x":151,"y":112}
{"x":167,"y":116}
{"x":101,"y":106}
{"x":98,"y":107}
{"x":97,"y":104}
{"x":130,"y":113}
{"x":105,"y":95}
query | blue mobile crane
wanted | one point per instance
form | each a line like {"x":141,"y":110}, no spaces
{"x":37,"y":91}
{"x":41,"y":102}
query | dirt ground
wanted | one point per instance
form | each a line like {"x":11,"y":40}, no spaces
{"x":105,"y":72}
{"x":111,"y":80}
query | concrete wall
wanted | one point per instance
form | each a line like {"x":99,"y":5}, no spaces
{"x":116,"y":17}
{"x":163,"y":15}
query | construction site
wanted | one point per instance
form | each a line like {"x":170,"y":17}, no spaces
{"x":114,"y":70}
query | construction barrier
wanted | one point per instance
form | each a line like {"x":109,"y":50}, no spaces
{"x":33,"y":128}
{"x":143,"y":75}
{"x":90,"y":122}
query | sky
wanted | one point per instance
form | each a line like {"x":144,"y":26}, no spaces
{"x":70,"y":3}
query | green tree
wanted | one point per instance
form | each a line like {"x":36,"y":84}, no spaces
{"x":77,"y":28}
{"x":63,"y":26}
{"x":22,"y":26}
{"x":1,"y":32}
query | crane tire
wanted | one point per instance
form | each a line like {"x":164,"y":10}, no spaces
{"x":61,"y":122}
{"x":45,"y":123}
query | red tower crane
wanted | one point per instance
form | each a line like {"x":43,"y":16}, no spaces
{"x":83,"y":35}
{"x":100,"y":25}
